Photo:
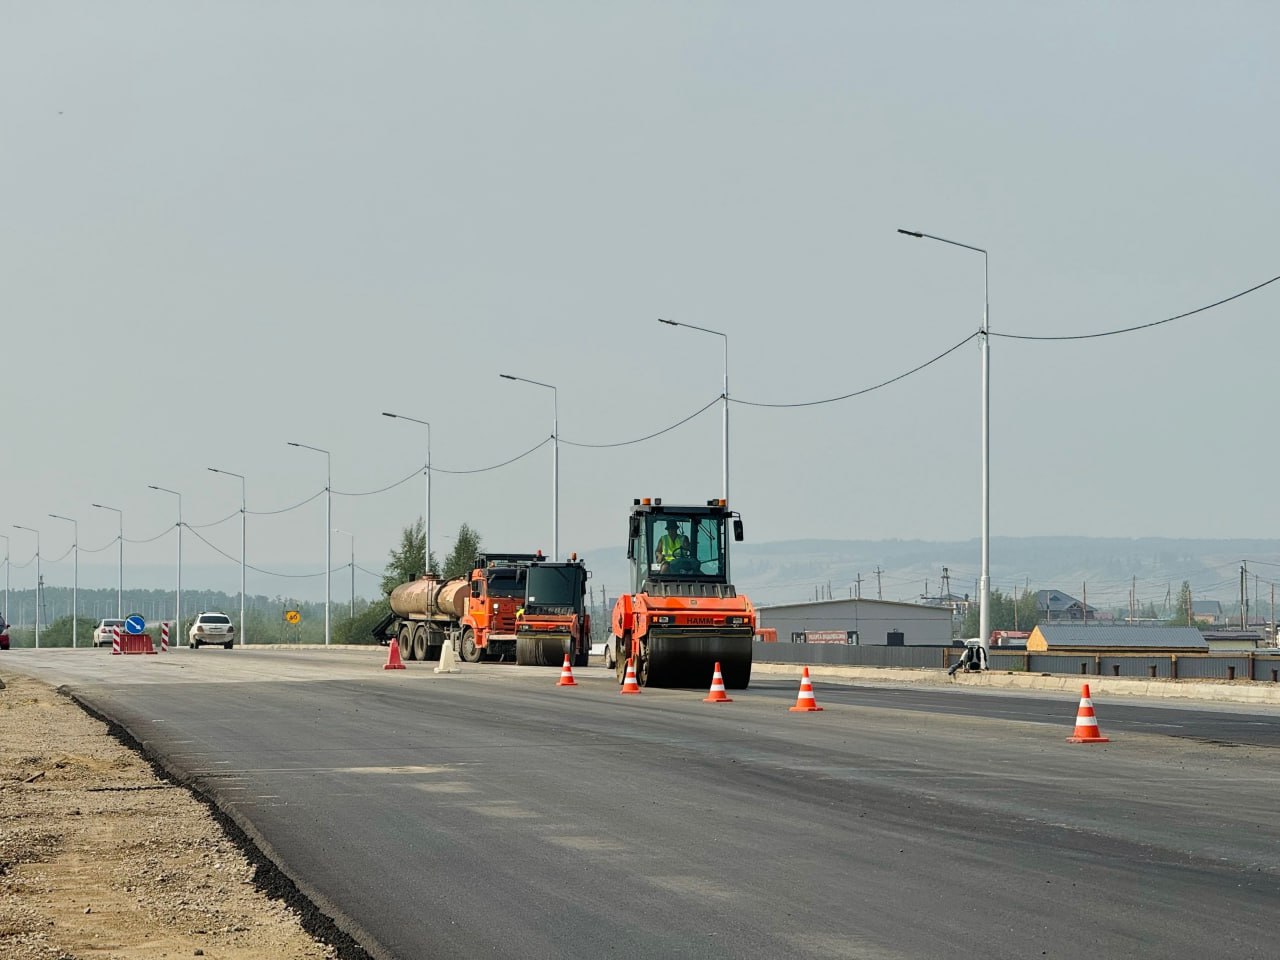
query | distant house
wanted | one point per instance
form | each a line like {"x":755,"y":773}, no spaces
{"x":1066,"y":637}
{"x":1206,"y":611}
{"x":1054,"y":605}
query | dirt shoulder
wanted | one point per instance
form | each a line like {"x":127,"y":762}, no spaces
{"x":100,"y":857}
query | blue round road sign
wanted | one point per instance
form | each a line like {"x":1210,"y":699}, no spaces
{"x":135,"y":624}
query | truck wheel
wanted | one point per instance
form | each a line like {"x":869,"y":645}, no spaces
{"x":468,"y":649}
{"x":420,"y":642}
{"x":404,"y":640}
{"x":582,"y":658}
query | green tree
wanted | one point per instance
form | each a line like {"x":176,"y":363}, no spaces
{"x":405,"y":562}
{"x":359,"y":629}
{"x":1182,"y":607}
{"x":462,"y":558}
{"x":1009,"y":611}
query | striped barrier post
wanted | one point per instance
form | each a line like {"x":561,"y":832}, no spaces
{"x":164,"y":637}
{"x":115,"y":641}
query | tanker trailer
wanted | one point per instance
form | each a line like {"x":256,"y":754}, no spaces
{"x":427,"y":612}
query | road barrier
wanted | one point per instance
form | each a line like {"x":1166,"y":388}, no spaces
{"x":1261,"y":665}
{"x":164,"y":637}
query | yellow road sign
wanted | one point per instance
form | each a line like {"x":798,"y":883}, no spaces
{"x":292,"y":616}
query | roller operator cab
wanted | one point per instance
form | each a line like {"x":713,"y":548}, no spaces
{"x":682,"y":614}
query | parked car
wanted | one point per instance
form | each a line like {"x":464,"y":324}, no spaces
{"x":610,"y":653}
{"x":211,"y":627}
{"x":102,"y":633}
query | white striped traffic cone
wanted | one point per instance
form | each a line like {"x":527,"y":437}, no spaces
{"x":805,"y":702}
{"x":629,"y":684}
{"x":1086,"y":723}
{"x":717,"y":694}
{"x":566,"y":674}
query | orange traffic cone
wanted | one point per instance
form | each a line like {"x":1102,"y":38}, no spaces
{"x":805,"y":703}
{"x":566,"y":674}
{"x":629,"y":684}
{"x":1086,"y":723}
{"x":393,"y":657}
{"x":717,"y":694}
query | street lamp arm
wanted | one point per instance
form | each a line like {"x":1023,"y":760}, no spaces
{"x":930,"y":236}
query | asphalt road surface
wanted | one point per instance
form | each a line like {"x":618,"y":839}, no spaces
{"x":493,"y":814}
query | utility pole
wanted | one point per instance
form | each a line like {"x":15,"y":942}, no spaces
{"x":1084,"y":598}
{"x":1244,"y":575}
{"x":859,"y":583}
{"x":879,"y":592}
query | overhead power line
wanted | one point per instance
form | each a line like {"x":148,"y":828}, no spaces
{"x":1141,"y":326}
{"x":864,"y":390}
{"x":627,"y":443}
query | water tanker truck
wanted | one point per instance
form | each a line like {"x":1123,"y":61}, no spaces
{"x":512,"y":606}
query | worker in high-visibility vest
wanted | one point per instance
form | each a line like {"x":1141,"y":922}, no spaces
{"x":672,"y":545}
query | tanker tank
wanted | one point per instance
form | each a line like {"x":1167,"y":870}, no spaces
{"x":431,"y":598}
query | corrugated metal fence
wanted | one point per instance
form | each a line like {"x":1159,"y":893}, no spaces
{"x":1262,"y":665}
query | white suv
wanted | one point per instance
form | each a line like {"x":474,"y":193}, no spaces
{"x":213,"y":628}
{"x":102,"y":633}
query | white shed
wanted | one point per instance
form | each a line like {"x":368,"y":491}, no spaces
{"x":876,"y":622}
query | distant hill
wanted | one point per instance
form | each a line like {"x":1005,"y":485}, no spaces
{"x":792,"y":570}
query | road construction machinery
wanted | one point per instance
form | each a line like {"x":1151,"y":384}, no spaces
{"x":512,"y":606}
{"x":683,"y":615}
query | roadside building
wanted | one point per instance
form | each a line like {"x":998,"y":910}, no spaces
{"x":1206,"y":611}
{"x":870,"y":622}
{"x":1233,"y":639}
{"x":1072,"y":638}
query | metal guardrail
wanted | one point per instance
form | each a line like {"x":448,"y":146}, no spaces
{"x":1262,"y":666}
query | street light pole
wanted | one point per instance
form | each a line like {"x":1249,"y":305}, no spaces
{"x":177,"y":597}
{"x":75,"y":575}
{"x":555,"y":461}
{"x":243,"y":513}
{"x":120,"y":581}
{"x":328,"y":531}
{"x":426,"y":516}
{"x":37,"y":533}
{"x":6,"y":576}
{"x":353,"y":568}
{"x":724,"y":398}
{"x":984,"y":587}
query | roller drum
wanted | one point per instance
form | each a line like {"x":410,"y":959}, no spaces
{"x":685,"y":660}
{"x":541,"y":650}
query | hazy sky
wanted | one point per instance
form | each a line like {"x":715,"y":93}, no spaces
{"x":231,"y":225}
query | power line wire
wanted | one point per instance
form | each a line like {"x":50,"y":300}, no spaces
{"x":194,"y":526}
{"x":496,"y":466}
{"x":1141,"y":326}
{"x":864,"y":390}
{"x":390,"y":486}
{"x":627,"y":443}
{"x":267,"y":513}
